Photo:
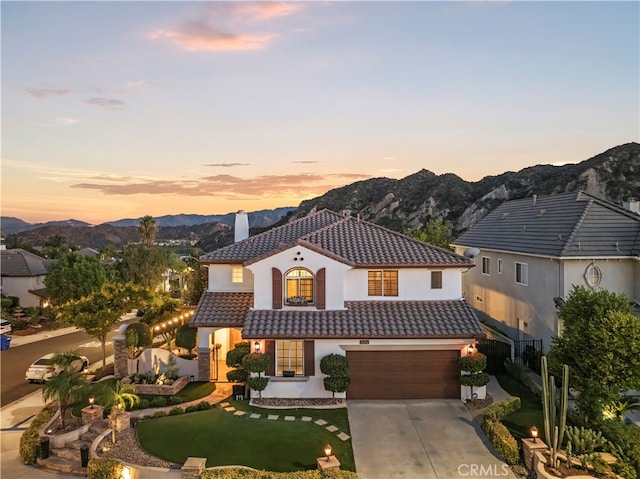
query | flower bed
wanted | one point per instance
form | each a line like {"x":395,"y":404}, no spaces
{"x":163,"y":389}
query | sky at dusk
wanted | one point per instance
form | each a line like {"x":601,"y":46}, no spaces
{"x":123,"y":109}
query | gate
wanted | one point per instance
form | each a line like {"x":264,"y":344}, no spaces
{"x":528,"y":353}
{"x":496,"y":352}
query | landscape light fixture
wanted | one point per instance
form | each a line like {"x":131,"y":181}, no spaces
{"x":534,"y":433}
{"x":256,"y":346}
{"x":91,"y":401}
{"x":126,"y":473}
{"x":327,"y":451}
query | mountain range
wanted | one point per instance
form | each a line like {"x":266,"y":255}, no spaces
{"x":399,"y":204}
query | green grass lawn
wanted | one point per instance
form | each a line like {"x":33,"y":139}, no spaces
{"x":519,"y":423}
{"x":226,"y":439}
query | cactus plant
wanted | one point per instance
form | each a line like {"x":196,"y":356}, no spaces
{"x":585,"y":441}
{"x":554,"y":420}
{"x":569,"y":451}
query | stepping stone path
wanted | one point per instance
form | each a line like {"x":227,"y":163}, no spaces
{"x":274,"y":417}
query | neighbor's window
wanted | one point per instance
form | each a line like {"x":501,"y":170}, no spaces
{"x":289,"y":357}
{"x":499,"y":265}
{"x":486,"y":265}
{"x":299,"y":284}
{"x":383,"y":283}
{"x":236,"y":273}
{"x":593,"y":275}
{"x":522,"y":273}
{"x":436,"y":280}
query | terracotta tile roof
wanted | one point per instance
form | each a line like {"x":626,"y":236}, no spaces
{"x":216,"y":309}
{"x":368,"y":319}
{"x":354,"y":241}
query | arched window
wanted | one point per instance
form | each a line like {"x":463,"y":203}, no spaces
{"x":593,"y":276}
{"x":299,"y":286}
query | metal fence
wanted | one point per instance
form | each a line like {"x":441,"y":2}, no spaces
{"x":526,"y":354}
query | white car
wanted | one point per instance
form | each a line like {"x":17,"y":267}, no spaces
{"x":5,"y":326}
{"x":41,"y":370}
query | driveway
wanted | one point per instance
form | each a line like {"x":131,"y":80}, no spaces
{"x":420,"y":439}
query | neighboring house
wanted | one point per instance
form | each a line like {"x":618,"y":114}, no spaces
{"x":23,"y":276}
{"x":327,"y":283}
{"x":530,"y":252}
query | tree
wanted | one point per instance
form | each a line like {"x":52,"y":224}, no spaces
{"x":73,"y":276}
{"x":118,"y":398}
{"x":196,"y":284}
{"x":437,"y":232}
{"x":98,"y":312}
{"x":600,"y":343}
{"x":186,"y":338}
{"x":55,"y":247}
{"x":143,"y":265}
{"x":65,"y":387}
{"x":234,"y":360}
{"x":137,"y":336}
{"x":256,"y":363}
{"x":472,"y":371}
{"x":148,"y":230}
{"x":161,"y":315}
{"x":336,"y":367}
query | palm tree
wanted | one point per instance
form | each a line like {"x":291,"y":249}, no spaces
{"x":148,"y":230}
{"x":118,"y":398}
{"x":66,"y":387}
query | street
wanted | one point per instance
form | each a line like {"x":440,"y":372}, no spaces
{"x":15,"y":360}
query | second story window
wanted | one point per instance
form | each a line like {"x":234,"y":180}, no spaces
{"x":522,"y":273}
{"x":486,"y":265}
{"x":499,"y":265}
{"x":383,"y":283}
{"x":436,"y":280}
{"x":299,"y":286}
{"x":236,"y":273}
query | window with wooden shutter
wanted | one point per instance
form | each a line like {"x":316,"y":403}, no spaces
{"x":270,"y":350}
{"x":321,"y":292}
{"x":276,"y":280}
{"x":309,"y":358}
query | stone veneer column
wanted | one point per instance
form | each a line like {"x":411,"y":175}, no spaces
{"x":120,"y":355}
{"x":204,"y":364}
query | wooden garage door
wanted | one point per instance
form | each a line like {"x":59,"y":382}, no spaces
{"x":404,"y":375}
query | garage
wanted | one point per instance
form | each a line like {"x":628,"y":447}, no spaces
{"x":404,"y":374}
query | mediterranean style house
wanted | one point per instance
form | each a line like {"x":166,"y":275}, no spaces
{"x":328,"y":283}
{"x":531,"y":252}
{"x":23,"y":276}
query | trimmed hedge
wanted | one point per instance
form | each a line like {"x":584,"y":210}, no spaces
{"x":498,"y":411}
{"x":237,"y":473}
{"x":30,"y":439}
{"x":103,"y":468}
{"x":503,"y":442}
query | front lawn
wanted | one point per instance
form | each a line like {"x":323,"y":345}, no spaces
{"x":530,"y":413}
{"x":226,"y":439}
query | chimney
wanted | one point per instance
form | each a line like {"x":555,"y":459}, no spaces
{"x":535,"y":199}
{"x":632,"y":204}
{"x":242,"y":226}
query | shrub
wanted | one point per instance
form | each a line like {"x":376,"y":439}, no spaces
{"x":237,"y":473}
{"x":503,"y":442}
{"x":473,"y":364}
{"x":104,"y":371}
{"x":192,"y":408}
{"x":624,"y":469}
{"x":176,"y":410}
{"x":203,"y":406}
{"x":522,"y":377}
{"x":625,"y":441}
{"x":158,"y":401}
{"x":175,"y":400}
{"x":103,"y":468}
{"x":498,"y":411}
{"x":159,"y":414}
{"x":334,"y":365}
{"x":186,"y":337}
{"x":143,"y":404}
{"x":30,"y":440}
{"x":258,"y":383}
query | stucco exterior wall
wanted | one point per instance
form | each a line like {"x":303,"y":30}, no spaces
{"x":153,"y":359}
{"x":220,"y":276}
{"x":617,"y":274}
{"x":300,"y":257}
{"x":19,"y":286}
{"x":313,"y":386}
{"x":413,"y":284}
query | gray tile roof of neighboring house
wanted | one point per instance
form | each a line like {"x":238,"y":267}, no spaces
{"x":21,"y":263}
{"x":564,"y":225}
{"x":353,"y":241}
{"x":222,"y":309}
{"x":368,"y":320}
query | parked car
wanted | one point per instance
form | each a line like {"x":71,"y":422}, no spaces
{"x":5,"y":326}
{"x":42,"y":371}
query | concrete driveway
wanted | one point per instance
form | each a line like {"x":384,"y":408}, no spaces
{"x":420,"y":439}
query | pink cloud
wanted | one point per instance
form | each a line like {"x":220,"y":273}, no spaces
{"x":197,"y":36}
{"x":45,"y":92}
{"x":257,"y":11}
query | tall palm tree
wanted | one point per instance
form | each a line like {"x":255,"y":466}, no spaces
{"x":66,"y":387}
{"x":148,"y":230}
